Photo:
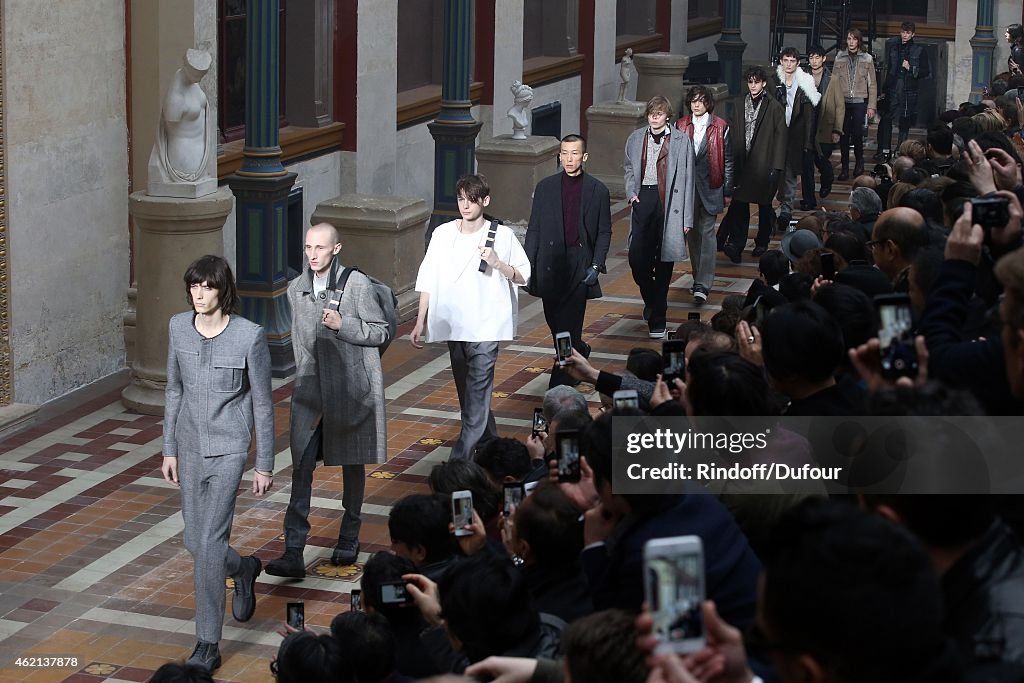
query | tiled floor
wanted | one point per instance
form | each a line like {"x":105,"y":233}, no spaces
{"x":92,"y":565}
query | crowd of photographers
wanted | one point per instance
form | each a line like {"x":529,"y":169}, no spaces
{"x":798,"y":587}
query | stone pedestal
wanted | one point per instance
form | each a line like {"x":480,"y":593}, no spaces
{"x":660,"y":73}
{"x":610,"y":123}
{"x":382,"y":236}
{"x":513,"y":168}
{"x":171,"y":234}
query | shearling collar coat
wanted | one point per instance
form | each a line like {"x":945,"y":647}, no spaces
{"x":338,"y":375}
{"x":801,"y":122}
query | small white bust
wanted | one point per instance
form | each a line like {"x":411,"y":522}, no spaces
{"x":184,"y":158}
{"x":625,"y":73}
{"x":519,"y":112}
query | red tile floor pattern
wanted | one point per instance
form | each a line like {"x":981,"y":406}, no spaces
{"x":92,"y":565}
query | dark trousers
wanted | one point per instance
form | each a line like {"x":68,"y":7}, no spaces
{"x":853,"y":134}
{"x":823,"y":162}
{"x":473,"y":370}
{"x":296,"y":518}
{"x":736,"y":225}
{"x":650,"y":273}
{"x":564,"y":312}
{"x":885,"y":130}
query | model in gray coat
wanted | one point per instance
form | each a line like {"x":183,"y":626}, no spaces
{"x":218,"y":393}
{"x":338,"y":409}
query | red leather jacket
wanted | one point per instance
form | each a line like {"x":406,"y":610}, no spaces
{"x":715,"y":137}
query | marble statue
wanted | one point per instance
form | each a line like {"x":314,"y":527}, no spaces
{"x":625,"y":69}
{"x":184,"y":159}
{"x":519,"y":112}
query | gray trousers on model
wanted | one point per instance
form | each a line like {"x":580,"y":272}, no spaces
{"x":787,"y":191}
{"x":296,"y":518}
{"x":208,"y":488}
{"x":702,"y":243}
{"x":473,"y":369}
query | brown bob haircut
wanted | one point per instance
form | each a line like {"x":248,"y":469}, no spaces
{"x":473,"y":187}
{"x":216,"y":273}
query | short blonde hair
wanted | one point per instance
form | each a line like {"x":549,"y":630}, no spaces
{"x":658,"y":104}
{"x":989,"y":121}
{"x":915,"y":149}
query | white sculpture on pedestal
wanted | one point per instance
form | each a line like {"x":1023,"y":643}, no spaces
{"x":519,"y":112}
{"x":625,"y":73}
{"x":184,"y":159}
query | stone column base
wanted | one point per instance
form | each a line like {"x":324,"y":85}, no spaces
{"x":610,"y":124}
{"x":513,"y":168}
{"x":661,"y":73}
{"x":382,"y":236}
{"x":171,"y":234}
{"x":15,"y":417}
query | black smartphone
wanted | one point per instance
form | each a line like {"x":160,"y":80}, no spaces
{"x":567,"y":448}
{"x":513,"y":496}
{"x":693,"y":315}
{"x":394,"y":593}
{"x":296,"y":615}
{"x":990,"y":212}
{"x":625,"y":398}
{"x":540,"y":423}
{"x":356,"y":600}
{"x":896,"y":335}
{"x":673,"y":356}
{"x":828,"y":265}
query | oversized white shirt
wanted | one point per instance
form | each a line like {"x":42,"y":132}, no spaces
{"x":465,"y":304}
{"x":700,"y":128}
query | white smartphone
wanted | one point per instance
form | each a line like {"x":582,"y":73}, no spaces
{"x":563,"y":347}
{"x":674,"y":588}
{"x":462,"y":512}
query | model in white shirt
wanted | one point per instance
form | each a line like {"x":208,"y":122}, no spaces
{"x":469,"y":309}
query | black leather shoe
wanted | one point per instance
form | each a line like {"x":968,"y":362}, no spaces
{"x":345,"y":553}
{"x":758,"y":251}
{"x":826,"y":190}
{"x":289,"y":565}
{"x":843,"y":175}
{"x":804,"y":206}
{"x":206,"y":655}
{"x":243,"y":603}
{"x":735,"y":254}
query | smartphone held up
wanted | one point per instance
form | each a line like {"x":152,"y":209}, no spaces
{"x":674,"y":589}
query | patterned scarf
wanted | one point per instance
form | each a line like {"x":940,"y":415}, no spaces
{"x":750,"y":110}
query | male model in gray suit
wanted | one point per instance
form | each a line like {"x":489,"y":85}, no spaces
{"x":659,"y":186}
{"x":218,"y":390}
{"x":337,"y":395}
{"x":713,"y":179}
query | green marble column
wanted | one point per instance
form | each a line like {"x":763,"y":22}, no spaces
{"x":730,"y":48}
{"x":983,"y":46}
{"x":261,"y":188}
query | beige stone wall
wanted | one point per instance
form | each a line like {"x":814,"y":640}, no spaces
{"x":68,"y":201}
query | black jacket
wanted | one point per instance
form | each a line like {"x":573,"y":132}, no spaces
{"x":901,"y":85}
{"x":553,"y":273}
{"x":767,"y":153}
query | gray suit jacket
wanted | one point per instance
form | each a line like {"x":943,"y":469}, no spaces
{"x":218,"y":390}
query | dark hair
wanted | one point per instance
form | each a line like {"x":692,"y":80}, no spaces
{"x":725,"y":384}
{"x":998,"y":88}
{"x":645,"y":363}
{"x":796,"y":287}
{"x":216,"y":273}
{"x":940,"y":137}
{"x":421,"y":519}
{"x":801,"y":340}
{"x":816,"y":50}
{"x":1016,"y":32}
{"x":926,"y":203}
{"x":473,"y":187}
{"x":574,"y":137}
{"x":710,"y":339}
{"x":997,"y":139}
{"x":941,"y":521}
{"x":854,"y":311}
{"x":908,"y":26}
{"x":774,"y":266}
{"x":689,"y":328}
{"x":1015,"y":82}
{"x":891,"y":595}
{"x":504,"y":457}
{"x":179,"y":672}
{"x":755,"y":73}
{"x":965,"y":127}
{"x":486,"y":605}
{"x":699,"y":92}
{"x":381,"y":568}
{"x":790,"y":52}
{"x":549,"y":522}
{"x":726,"y":321}
{"x":926,"y":267}
{"x":368,"y":645}
{"x":461,"y":475}
{"x":601,"y":648}
{"x":305,"y":657}
{"x":847,"y":245}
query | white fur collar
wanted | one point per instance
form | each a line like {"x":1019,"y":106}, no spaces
{"x":804,"y":81}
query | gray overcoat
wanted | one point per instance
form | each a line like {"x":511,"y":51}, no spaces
{"x":338,"y":375}
{"x":678,"y":187}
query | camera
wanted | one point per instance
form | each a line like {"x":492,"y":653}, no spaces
{"x":990,"y":212}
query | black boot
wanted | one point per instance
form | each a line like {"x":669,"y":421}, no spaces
{"x":346,"y":552}
{"x":289,"y":565}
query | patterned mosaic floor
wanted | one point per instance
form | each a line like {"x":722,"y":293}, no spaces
{"x":92,"y":566}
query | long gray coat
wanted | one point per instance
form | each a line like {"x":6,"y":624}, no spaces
{"x":338,"y":375}
{"x":678,"y":187}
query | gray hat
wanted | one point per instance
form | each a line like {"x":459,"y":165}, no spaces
{"x":795,"y":243}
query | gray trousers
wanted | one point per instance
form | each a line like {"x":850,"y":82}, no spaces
{"x":787,"y":190}
{"x":296,"y":518}
{"x":473,"y":369}
{"x":702,"y":244}
{"x":208,"y":488}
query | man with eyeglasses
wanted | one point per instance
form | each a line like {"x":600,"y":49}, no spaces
{"x":567,"y":242}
